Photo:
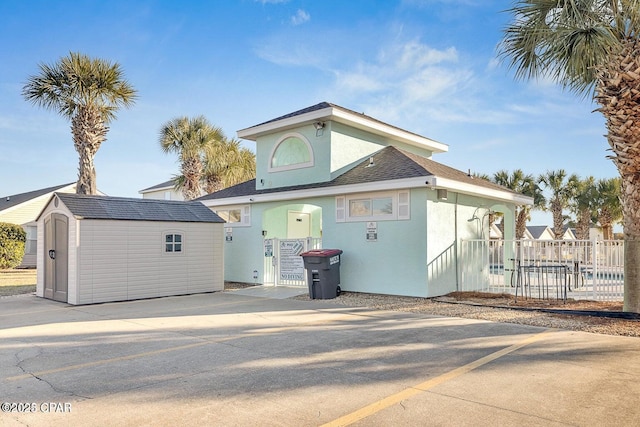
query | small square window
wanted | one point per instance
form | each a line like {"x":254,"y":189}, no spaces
{"x":173,"y":243}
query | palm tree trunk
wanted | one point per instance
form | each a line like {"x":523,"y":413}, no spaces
{"x":618,"y":93}
{"x":192,"y":171}
{"x":86,"y":173}
{"x":213,"y":183}
{"x":558,"y":221}
{"x":604,"y":218}
{"x":521,"y":222}
{"x":584,"y":221}
{"x":89,"y":132}
{"x":631,"y":213}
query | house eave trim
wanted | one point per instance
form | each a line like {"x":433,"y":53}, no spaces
{"x":431,"y":181}
{"x":348,"y":118}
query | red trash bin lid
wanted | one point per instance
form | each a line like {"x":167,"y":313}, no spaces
{"x":322,"y":252}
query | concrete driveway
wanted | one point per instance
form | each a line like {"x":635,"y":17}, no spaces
{"x":236,"y":360}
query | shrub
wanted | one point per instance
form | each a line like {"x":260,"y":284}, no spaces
{"x":12,"y":241}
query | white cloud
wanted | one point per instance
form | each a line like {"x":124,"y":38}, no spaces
{"x":405,"y":77}
{"x":406,"y":82}
{"x":300,"y":17}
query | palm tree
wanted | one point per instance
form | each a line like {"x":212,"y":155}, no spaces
{"x":526,"y":184}
{"x":562,"y":190}
{"x":609,"y":209}
{"x":227,"y":164}
{"x":591,"y":47}
{"x":189,"y":138}
{"x":89,"y":92}
{"x":584,"y":205}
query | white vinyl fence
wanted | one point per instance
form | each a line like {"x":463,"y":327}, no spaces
{"x":283,"y":264}
{"x":553,"y":269}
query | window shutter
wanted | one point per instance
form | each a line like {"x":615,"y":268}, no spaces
{"x":404,"y":211}
{"x":340,"y":209}
{"x":246,"y":215}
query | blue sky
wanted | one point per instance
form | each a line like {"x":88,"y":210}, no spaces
{"x":428,"y":66}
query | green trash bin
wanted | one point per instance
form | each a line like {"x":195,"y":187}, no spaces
{"x":323,"y":272}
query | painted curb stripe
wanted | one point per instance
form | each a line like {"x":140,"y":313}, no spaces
{"x":422,"y":387}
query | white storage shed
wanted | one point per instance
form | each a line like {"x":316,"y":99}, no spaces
{"x":94,"y":249}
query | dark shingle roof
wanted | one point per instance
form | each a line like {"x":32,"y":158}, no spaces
{"x":389,"y":163}
{"x":120,"y":208}
{"x":170,"y":183}
{"x":536,"y":230}
{"x":322,"y":106}
{"x":9,"y":201}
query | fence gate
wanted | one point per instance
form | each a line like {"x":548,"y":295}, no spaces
{"x":283,"y":265}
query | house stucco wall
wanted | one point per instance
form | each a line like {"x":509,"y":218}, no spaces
{"x":350,"y":145}
{"x":319,"y":172}
{"x":336,"y":148}
{"x":399,"y":262}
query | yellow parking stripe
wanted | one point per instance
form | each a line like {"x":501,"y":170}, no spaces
{"x":422,"y":387}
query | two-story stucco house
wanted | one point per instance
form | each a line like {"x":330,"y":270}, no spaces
{"x":331,"y":175}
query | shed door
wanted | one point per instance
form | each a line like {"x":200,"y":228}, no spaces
{"x":56,"y":235}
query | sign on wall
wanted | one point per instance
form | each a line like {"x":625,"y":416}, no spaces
{"x":372,"y":231}
{"x":268,"y":248}
{"x":291,"y":263}
{"x":228,"y":234}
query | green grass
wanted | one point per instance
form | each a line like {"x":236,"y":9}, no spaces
{"x":16,"y":282}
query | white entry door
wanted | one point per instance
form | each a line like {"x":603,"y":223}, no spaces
{"x":298,"y":225}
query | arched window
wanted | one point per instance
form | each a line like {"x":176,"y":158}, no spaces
{"x":293,"y":151}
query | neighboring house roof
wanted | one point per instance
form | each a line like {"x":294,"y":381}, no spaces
{"x":7,"y":202}
{"x":390,"y":163}
{"x":120,"y":208}
{"x":537,"y":230}
{"x":167,"y":184}
{"x":327,"y":111}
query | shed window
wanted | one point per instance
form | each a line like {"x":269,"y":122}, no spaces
{"x":173,"y":243}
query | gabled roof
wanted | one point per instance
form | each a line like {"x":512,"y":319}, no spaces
{"x":325,"y":111}
{"x":390,"y":163}
{"x":121,"y":208}
{"x":7,"y":202}
{"x":537,"y":230}
{"x":167,"y":184}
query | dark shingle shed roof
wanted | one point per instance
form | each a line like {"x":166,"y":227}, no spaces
{"x":121,"y":208}
{"x":390,"y":163}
